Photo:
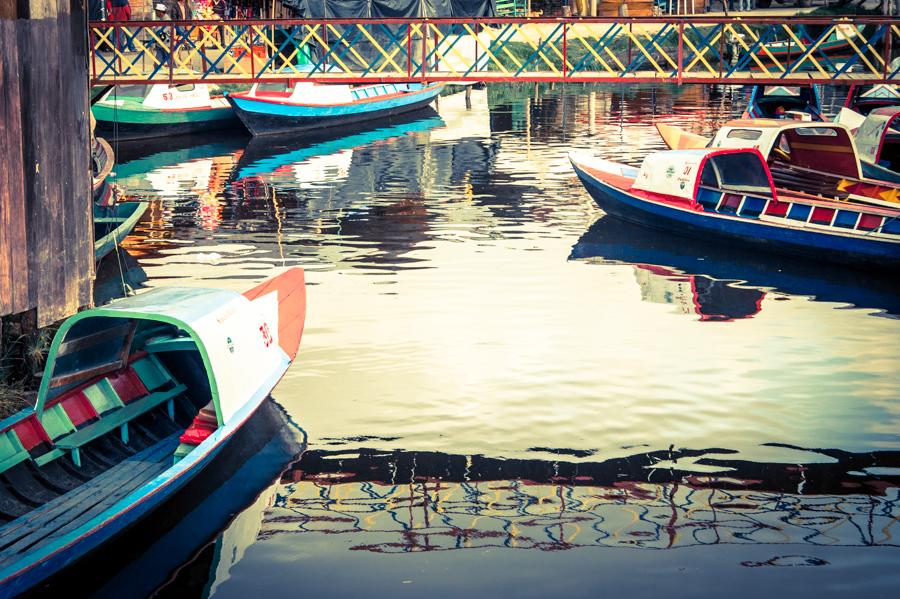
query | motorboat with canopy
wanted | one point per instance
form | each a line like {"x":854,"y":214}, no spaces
{"x":136,"y":398}
{"x":730,"y":194}
{"x":819,"y":159}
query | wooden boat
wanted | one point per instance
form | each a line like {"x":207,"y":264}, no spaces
{"x":128,"y":112}
{"x":114,"y":223}
{"x":729,"y":193}
{"x":798,"y":102}
{"x":305,"y":106}
{"x":102,"y":161}
{"x":819,"y":159}
{"x":137,"y":397}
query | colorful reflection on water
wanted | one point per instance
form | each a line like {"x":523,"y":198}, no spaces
{"x":490,"y":364}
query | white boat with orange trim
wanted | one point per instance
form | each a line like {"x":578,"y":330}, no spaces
{"x":137,"y":397}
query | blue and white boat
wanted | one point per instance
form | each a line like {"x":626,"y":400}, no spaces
{"x":136,"y":399}
{"x":729,"y":193}
{"x":304,"y":106}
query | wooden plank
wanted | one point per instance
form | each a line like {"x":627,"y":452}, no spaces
{"x":14,"y":274}
{"x":127,"y":480}
{"x":49,"y":143}
{"x":135,"y":470}
{"x":123,"y":331}
{"x":41,"y":516}
{"x":86,"y":373}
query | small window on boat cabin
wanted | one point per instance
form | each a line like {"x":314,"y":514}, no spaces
{"x":280,"y":86}
{"x":741,"y":172}
{"x":816,"y":131}
{"x":129,"y":91}
{"x":184,"y":87}
{"x":748,"y":134}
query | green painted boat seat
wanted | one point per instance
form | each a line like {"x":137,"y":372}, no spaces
{"x":11,"y":450}
{"x":161,"y":344}
{"x":118,"y":418}
{"x":108,"y":404}
{"x":152,"y":372}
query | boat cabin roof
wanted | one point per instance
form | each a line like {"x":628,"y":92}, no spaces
{"x":160,"y":95}
{"x":871,"y":134}
{"x":816,"y":146}
{"x":223,"y":326}
{"x":879,"y":91}
{"x":681,"y":173}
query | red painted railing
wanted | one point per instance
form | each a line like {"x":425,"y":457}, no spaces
{"x":683,"y":50}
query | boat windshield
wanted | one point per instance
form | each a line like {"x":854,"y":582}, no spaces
{"x":739,"y":172}
{"x":129,"y":91}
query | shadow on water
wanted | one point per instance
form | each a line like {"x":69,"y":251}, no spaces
{"x":137,"y":562}
{"x":719,"y":282}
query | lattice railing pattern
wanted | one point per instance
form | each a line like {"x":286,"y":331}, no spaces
{"x":700,"y":50}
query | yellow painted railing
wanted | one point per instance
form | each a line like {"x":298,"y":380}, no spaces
{"x":697,"y":50}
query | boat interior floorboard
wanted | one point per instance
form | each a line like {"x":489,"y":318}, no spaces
{"x":69,"y":511}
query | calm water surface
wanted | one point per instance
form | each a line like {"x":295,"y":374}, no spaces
{"x":506,"y":393}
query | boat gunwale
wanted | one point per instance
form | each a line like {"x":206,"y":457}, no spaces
{"x":245,"y":96}
{"x":682,"y":205}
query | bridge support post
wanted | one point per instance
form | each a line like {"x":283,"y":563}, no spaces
{"x":46,"y":227}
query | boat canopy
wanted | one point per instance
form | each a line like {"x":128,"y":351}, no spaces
{"x":823,"y":147}
{"x":680,"y":173}
{"x":871,"y":135}
{"x":236,"y":338}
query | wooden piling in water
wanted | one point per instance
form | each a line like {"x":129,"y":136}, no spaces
{"x":46,"y":227}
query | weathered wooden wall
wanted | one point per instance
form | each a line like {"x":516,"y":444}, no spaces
{"x":46,"y":230}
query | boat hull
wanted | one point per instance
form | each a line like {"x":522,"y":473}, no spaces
{"x":131,"y":213}
{"x":868,"y":253}
{"x":129,"y":510}
{"x":262,"y":117}
{"x":125,"y":125}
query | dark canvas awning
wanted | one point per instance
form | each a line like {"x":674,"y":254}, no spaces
{"x":365,"y":9}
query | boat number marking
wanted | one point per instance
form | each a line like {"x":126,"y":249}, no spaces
{"x":168,"y":96}
{"x":266,"y":335}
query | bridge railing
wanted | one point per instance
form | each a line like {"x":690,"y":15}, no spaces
{"x":695,"y":49}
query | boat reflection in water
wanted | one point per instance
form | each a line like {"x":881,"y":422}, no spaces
{"x":718,"y":282}
{"x":390,"y":502}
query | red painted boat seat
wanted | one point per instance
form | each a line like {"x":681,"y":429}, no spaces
{"x":204,"y":424}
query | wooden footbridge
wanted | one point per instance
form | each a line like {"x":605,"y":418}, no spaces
{"x":682,"y":50}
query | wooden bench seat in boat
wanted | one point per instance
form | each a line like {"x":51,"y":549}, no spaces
{"x":87,"y":413}
{"x":67,"y":512}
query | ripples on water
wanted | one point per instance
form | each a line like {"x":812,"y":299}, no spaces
{"x":470,"y":308}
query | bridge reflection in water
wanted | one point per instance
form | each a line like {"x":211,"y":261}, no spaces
{"x":393,"y":502}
